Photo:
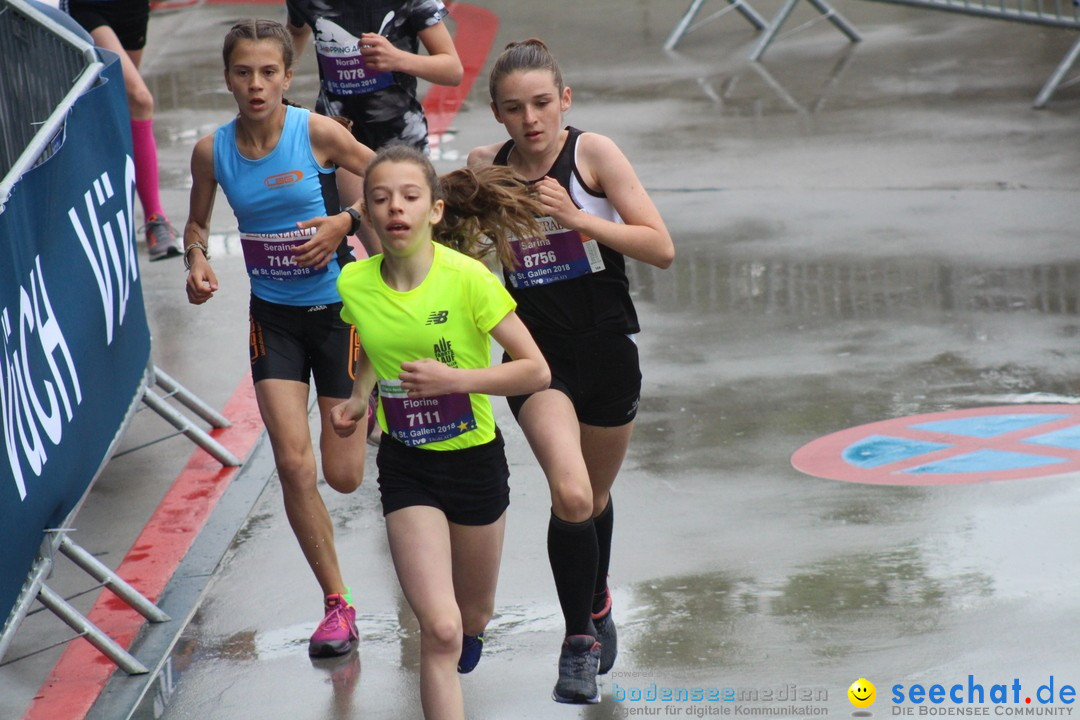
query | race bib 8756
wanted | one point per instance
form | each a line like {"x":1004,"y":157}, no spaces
{"x":561,"y":254}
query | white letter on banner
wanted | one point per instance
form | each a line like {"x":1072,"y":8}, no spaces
{"x":19,"y":402}
{"x":127,"y":227}
{"x":17,"y":411}
{"x":49,"y":422}
{"x":32,"y":445}
{"x":52,"y":339}
{"x":101,"y":273}
{"x":103,"y":252}
{"x":8,"y":391}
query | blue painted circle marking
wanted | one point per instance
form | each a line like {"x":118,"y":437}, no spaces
{"x":1010,"y":442}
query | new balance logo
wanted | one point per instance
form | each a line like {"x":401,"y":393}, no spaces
{"x":438,"y":317}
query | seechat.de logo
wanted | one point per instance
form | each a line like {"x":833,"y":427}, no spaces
{"x":283,"y":179}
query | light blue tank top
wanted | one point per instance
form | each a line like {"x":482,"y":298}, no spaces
{"x":272,"y":194}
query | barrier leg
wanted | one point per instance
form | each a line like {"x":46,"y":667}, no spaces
{"x":782,"y":15}
{"x":837,"y":19}
{"x":1058,"y":75}
{"x":750,"y":14}
{"x":100,"y":572}
{"x":76,"y":621}
{"x":195,"y":434}
{"x":774,"y":27}
{"x":189,"y":399}
{"x":685,"y":22}
{"x":683,"y":26}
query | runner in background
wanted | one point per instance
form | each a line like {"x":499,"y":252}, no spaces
{"x":120,"y":26}
{"x":369,"y":61}
{"x":425,"y":314}
{"x":276,"y":165}
{"x":573,"y":295}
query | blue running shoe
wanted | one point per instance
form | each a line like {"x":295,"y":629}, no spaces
{"x":471,"y":647}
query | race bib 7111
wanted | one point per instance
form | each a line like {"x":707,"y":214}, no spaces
{"x":418,"y":421}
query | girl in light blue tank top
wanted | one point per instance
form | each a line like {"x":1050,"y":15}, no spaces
{"x":268,"y":195}
{"x":276,"y":165}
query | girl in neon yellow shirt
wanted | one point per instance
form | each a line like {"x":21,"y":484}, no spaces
{"x":425,"y":315}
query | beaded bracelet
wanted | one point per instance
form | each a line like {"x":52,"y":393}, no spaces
{"x":195,"y":246}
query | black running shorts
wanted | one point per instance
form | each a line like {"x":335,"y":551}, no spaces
{"x":297,"y":343}
{"x":600,"y":373}
{"x":127,"y":18}
{"x":469,"y":485}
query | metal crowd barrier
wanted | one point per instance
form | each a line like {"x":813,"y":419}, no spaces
{"x":43,"y":66}
{"x":1064,"y":14}
{"x":74,"y":341}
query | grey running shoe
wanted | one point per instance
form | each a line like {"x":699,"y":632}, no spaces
{"x":606,"y":636}
{"x":162,"y":240}
{"x":578,"y":661}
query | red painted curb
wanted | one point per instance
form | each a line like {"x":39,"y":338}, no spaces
{"x":82,"y":671}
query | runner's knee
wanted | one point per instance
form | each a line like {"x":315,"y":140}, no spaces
{"x":442,"y":635}
{"x":572,"y":502}
{"x":344,"y":479}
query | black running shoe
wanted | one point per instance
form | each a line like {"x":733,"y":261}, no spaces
{"x":606,"y":636}
{"x":578,"y":662}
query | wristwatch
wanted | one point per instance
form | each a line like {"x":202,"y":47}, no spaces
{"x":357,"y":219}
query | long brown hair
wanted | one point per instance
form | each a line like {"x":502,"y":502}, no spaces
{"x":524,"y":55}
{"x":485,"y":206}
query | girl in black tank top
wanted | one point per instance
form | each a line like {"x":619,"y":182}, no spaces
{"x":573,"y":294}
{"x":583,"y":304}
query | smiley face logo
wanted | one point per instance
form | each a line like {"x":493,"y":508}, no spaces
{"x":862,"y":693}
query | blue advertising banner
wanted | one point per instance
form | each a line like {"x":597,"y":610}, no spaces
{"x":74,"y":341}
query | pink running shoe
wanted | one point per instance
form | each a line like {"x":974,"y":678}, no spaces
{"x":336,"y":634}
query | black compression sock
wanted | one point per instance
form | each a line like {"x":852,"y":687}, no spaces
{"x":573,"y":555}
{"x":605,"y":525}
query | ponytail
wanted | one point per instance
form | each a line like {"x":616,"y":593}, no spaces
{"x":486,"y":206}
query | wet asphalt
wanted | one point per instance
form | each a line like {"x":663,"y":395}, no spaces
{"x":863,"y":232}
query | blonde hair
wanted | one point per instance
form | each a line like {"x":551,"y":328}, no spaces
{"x":485,"y":206}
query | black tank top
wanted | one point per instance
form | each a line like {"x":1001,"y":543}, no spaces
{"x":581,"y":305}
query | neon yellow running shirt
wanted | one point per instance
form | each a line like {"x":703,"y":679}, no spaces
{"x":447,"y":317}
